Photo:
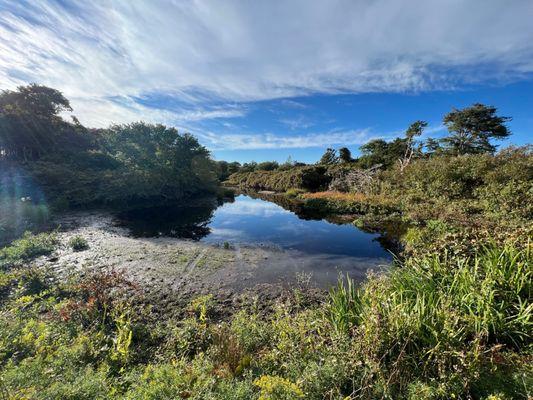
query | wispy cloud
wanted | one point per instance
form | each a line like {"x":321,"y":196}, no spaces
{"x":297,"y":123}
{"x":104,"y":55}
{"x":253,"y":141}
{"x":293,"y":104}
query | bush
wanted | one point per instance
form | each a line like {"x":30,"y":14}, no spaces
{"x":306,"y":178}
{"x":27,"y":248}
{"x":294,"y":192}
{"x":348,"y":203}
{"x":78,"y":243}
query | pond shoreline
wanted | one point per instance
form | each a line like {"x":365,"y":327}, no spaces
{"x":171,"y":272}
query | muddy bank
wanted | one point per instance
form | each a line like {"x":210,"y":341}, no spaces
{"x":172,"y":271}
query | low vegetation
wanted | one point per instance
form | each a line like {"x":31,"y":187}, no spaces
{"x":303,"y":177}
{"x":27,"y":248}
{"x":433,"y":328}
{"x":78,"y":243}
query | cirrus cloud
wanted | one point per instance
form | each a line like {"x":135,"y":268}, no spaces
{"x":216,"y":56}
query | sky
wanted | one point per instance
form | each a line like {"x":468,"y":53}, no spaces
{"x":265,"y":80}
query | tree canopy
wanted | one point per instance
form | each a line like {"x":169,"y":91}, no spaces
{"x":472,"y":128}
{"x":31,"y":125}
{"x":345,"y":155}
{"x":329,"y":157}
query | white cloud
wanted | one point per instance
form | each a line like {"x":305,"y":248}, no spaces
{"x":275,"y":141}
{"x":105,"y":54}
{"x":298,"y":122}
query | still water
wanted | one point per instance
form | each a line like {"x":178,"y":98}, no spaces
{"x":316,"y":246}
{"x":249,"y":220}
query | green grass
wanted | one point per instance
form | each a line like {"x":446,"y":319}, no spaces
{"x":27,"y":248}
{"x":78,"y":243}
{"x":440,"y":313}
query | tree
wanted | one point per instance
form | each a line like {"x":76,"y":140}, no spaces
{"x":432,"y":146}
{"x":158,"y":161}
{"x":31,"y":125}
{"x":345,"y":155}
{"x":329,"y":157}
{"x":380,"y":152}
{"x":249,"y":167}
{"x":472,"y":128}
{"x":267,"y":166}
{"x":414,"y":130}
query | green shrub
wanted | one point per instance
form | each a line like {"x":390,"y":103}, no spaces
{"x":78,"y":243}
{"x":27,"y":248}
{"x":309,"y":178}
{"x":294,"y":192}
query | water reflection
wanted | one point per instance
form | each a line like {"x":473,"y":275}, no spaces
{"x":254,"y":221}
{"x":173,"y":221}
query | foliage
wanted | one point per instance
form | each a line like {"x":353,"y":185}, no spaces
{"x":26,"y":248}
{"x":225,"y":169}
{"x":276,"y":388}
{"x":306,"y":178}
{"x":78,"y":243}
{"x":472,"y":128}
{"x":345,"y":155}
{"x":433,"y":328}
{"x":31,"y":126}
{"x":76,"y":166}
{"x":293,"y":192}
{"x":414,"y":130}
{"x":440,"y":320}
{"x":329,"y":157}
{"x":348,"y":203}
{"x":381,"y":152}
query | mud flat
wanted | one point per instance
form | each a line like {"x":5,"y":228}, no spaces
{"x":172,"y":271}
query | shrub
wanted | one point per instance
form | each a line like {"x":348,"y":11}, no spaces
{"x":277,"y":388}
{"x":348,"y":203}
{"x":27,"y":248}
{"x":293,"y":192}
{"x":78,"y":243}
{"x":306,"y":178}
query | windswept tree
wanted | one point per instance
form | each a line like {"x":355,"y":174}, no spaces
{"x":432,"y":147}
{"x":345,"y":155}
{"x":414,"y":130}
{"x":329,"y":157}
{"x":472,"y":129}
{"x":383,"y":153}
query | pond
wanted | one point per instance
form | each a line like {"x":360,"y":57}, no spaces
{"x":320,"y":247}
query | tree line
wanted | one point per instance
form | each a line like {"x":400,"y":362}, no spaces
{"x":471,"y":130}
{"x":81,"y":165}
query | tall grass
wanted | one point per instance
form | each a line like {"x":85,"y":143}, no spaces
{"x":439,"y":315}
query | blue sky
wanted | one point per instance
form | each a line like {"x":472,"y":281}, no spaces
{"x":268,"y":80}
